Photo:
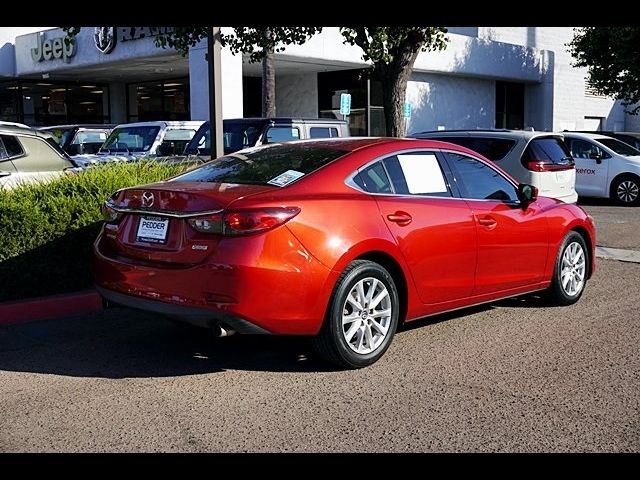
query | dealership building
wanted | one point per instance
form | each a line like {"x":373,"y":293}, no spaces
{"x":487,"y":77}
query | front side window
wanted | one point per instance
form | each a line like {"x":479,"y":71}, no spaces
{"x":583,"y":149}
{"x":276,"y":165}
{"x":479,"y":181}
{"x":619,"y":147}
{"x":130,"y":139}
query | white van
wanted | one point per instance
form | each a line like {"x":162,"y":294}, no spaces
{"x":605,"y":167}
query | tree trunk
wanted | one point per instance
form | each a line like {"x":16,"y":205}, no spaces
{"x":268,"y":84}
{"x":394,"y":78}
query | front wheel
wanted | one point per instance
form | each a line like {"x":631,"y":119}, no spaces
{"x":571,"y":270}
{"x":626,"y":190}
{"x":362,"y":316}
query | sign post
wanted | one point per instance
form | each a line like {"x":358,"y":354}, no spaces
{"x":407,"y":115}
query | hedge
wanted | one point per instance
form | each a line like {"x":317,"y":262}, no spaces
{"x":47,"y":230}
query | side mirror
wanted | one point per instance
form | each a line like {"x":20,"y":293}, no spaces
{"x":527,"y":193}
{"x":595,"y":155}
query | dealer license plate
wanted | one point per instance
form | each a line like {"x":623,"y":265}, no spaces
{"x":153,"y":229}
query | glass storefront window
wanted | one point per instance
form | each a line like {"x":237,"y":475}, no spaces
{"x":159,"y":100}
{"x":53,"y":103}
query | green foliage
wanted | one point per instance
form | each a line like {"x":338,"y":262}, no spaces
{"x":47,"y":230}
{"x":611,"y":55}
{"x":386,"y":45}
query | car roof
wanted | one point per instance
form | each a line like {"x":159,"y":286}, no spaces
{"x":286,"y":120}
{"x":169,"y":123}
{"x":31,"y":132}
{"x":79,"y":125}
{"x":496,"y":133}
{"x":591,"y":136}
{"x":608,"y":133}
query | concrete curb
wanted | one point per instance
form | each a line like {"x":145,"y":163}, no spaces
{"x":619,"y":254}
{"x":44,"y":308}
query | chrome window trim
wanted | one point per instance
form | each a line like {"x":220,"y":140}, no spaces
{"x":349,"y":181}
{"x":161,"y":213}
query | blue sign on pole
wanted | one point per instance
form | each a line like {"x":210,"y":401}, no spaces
{"x":407,"y":110}
{"x":345,"y":103}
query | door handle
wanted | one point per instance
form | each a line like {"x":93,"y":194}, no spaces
{"x":4,"y":174}
{"x":401,"y":218}
{"x":487,"y":221}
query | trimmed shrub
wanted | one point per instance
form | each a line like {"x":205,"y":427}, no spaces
{"x":47,"y":230}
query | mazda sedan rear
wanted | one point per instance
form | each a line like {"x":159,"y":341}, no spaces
{"x":339,"y":239}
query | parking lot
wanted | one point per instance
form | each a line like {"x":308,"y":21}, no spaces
{"x":617,"y":226}
{"x":511,"y":376}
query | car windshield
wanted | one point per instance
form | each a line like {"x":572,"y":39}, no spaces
{"x":237,"y":135}
{"x":276,"y":165}
{"x":62,"y":136}
{"x":619,"y":147}
{"x":130,"y":139}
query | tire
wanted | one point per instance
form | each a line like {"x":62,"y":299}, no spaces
{"x":571,"y":266}
{"x":364,"y":338}
{"x":625,"y":190}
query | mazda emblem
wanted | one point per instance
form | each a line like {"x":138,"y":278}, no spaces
{"x":147,"y":199}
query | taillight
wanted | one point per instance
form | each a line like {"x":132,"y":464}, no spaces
{"x":546,"y":166}
{"x":109,"y":214}
{"x":244,"y":222}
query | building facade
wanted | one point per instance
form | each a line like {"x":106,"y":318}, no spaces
{"x":487,"y":77}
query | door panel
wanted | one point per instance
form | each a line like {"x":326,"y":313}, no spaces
{"x":512,"y":245}
{"x":438,"y":243}
{"x":591,"y":176}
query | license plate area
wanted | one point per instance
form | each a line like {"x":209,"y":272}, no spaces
{"x":152,"y":230}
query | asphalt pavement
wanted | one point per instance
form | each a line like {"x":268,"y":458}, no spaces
{"x":509,"y":377}
{"x":616,"y":225}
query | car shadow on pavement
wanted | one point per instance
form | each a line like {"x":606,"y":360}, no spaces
{"x":121,"y":343}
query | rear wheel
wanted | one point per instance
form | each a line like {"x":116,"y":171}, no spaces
{"x":626,"y":190}
{"x":362,"y":316}
{"x":570,"y":272}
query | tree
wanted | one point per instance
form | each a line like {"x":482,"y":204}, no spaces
{"x":393,"y":51}
{"x":611,"y":55}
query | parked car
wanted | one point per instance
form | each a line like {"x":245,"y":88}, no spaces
{"x":133,"y":141}
{"x":605,"y":167}
{"x":341,"y":239}
{"x":632,"y":138}
{"x":80,"y":139}
{"x":28,"y":155}
{"x":240,"y":133}
{"x":537,"y":158}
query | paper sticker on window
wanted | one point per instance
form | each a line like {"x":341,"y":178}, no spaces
{"x":295,"y":133}
{"x":422,"y":173}
{"x":285,"y":178}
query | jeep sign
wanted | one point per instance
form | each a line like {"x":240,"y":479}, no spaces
{"x":51,"y":49}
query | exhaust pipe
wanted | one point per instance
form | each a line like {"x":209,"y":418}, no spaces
{"x":222,"y":331}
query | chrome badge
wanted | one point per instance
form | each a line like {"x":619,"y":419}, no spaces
{"x":147,"y":199}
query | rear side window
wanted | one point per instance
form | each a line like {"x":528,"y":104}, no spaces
{"x":548,"y":150}
{"x":282,"y":134}
{"x":271,"y":165}
{"x":323,"y":132}
{"x":12,"y":147}
{"x":495,"y":149}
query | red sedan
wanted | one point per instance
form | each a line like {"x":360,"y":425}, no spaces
{"x":340,"y":239}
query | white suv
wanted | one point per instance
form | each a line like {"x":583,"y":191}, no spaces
{"x":605,"y":167}
{"x":540,"y":159}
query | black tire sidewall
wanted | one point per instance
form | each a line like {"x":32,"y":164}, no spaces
{"x":334,"y":320}
{"x":561,"y":296}
{"x":616,"y":184}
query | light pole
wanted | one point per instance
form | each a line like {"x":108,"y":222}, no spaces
{"x":215,"y":92}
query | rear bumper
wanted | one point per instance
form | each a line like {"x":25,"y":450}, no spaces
{"x":259,"y":284}
{"x":196,"y":316}
{"x":570,"y":198}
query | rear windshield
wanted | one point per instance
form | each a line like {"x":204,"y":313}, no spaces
{"x":619,"y":147}
{"x":277,"y":165}
{"x":547,"y":149}
{"x":494,"y":149}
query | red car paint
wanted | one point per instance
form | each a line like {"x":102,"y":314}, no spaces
{"x":451,"y":254}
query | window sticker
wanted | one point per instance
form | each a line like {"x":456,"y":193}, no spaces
{"x":285,"y":178}
{"x":295,"y":133}
{"x":422,"y":173}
